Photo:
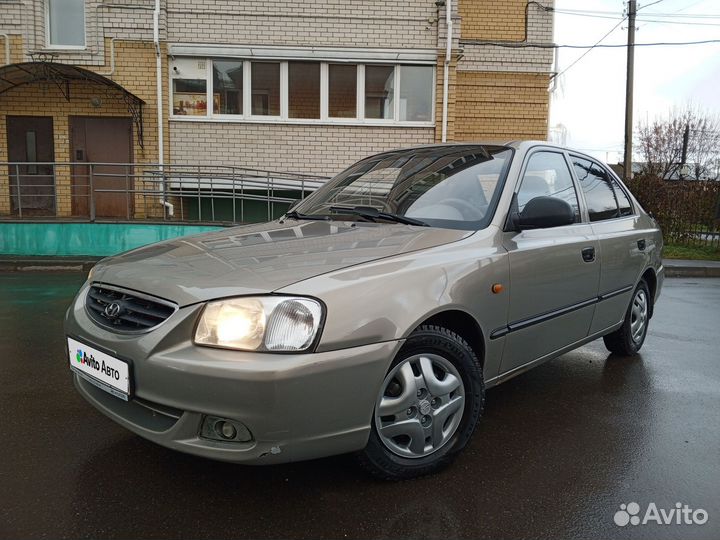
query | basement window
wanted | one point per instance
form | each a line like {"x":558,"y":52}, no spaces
{"x":65,"y":23}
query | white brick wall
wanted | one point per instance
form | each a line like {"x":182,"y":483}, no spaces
{"x":341,"y":23}
{"x":321,"y":150}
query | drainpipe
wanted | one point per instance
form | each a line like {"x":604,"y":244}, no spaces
{"x":6,"y":38}
{"x":112,"y":60}
{"x":160,"y":105}
{"x":446,"y":74}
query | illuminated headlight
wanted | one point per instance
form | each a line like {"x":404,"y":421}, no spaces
{"x":261,"y":323}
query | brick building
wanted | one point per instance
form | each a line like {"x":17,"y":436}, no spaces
{"x":296,"y":86}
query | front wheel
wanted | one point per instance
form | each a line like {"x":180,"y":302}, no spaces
{"x":629,"y":338}
{"x":427,"y":408}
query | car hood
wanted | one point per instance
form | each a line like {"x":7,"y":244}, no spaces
{"x":256,"y":259}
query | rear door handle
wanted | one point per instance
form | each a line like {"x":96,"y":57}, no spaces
{"x":588,"y":254}
{"x":641,"y":244}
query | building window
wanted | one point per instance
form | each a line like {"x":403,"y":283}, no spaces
{"x":342,"y":91}
{"x":227,"y":87}
{"x":265,"y":80}
{"x":416,"y":93}
{"x":302,"y":91}
{"x":190,"y":97}
{"x":66,"y":23}
{"x":379,"y":91}
{"x":189,"y":87}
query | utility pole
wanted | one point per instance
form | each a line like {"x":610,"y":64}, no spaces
{"x":683,"y":163}
{"x":632,"y":11}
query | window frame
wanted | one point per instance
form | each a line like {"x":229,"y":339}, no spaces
{"x":325,"y":119}
{"x":56,"y":46}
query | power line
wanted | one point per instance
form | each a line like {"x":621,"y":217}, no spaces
{"x":510,"y":45}
{"x":617,"y":14}
{"x":650,"y":4}
{"x":590,"y":49}
{"x":688,"y":23}
{"x":639,"y":19}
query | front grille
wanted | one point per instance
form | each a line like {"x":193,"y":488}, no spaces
{"x":126,"y":311}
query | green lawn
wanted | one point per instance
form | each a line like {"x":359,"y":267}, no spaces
{"x":675,"y":251}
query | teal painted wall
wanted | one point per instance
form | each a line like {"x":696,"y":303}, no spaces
{"x":92,"y":239}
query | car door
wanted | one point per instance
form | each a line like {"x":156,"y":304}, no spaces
{"x":554,"y":272}
{"x":623,"y":245}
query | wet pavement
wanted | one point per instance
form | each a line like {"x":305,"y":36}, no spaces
{"x":559,"y":449}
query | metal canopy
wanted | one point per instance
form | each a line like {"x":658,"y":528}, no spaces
{"x":60,"y":75}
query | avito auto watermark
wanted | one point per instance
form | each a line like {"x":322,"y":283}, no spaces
{"x":680,"y":514}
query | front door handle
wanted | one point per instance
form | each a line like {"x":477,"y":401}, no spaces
{"x":588,"y":254}
{"x":641,"y":244}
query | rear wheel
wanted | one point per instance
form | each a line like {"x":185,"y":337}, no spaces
{"x":427,"y":408}
{"x":629,"y":338}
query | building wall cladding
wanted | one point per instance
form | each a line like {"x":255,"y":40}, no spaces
{"x":501,"y":91}
{"x":304,"y":148}
{"x":501,"y":106}
{"x":491,"y":20}
{"x":334,"y":23}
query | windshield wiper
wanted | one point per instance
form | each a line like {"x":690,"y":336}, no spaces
{"x":371,"y":213}
{"x":294,"y":214}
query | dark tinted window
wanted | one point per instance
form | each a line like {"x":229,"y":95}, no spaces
{"x":598,"y":190}
{"x":622,"y":199}
{"x":548,"y":175}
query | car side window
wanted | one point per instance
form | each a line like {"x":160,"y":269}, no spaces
{"x":598,"y":189}
{"x":548,"y":175}
{"x":623,"y":200}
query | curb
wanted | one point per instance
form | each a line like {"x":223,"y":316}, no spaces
{"x":692,"y":271}
{"x":47,"y":264}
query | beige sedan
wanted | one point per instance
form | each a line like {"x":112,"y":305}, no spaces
{"x":372,"y":317}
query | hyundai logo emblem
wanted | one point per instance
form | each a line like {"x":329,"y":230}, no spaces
{"x":112,"y":311}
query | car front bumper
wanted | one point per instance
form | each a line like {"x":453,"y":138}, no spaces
{"x":296,"y":406}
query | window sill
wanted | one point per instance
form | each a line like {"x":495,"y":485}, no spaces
{"x":65,"y":49}
{"x":309,"y":122}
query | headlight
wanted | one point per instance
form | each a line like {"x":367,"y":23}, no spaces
{"x":261,"y":323}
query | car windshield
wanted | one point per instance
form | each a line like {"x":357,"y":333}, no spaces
{"x":442,"y":186}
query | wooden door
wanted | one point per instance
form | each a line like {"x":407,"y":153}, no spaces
{"x":32,"y":185}
{"x":102,"y":140}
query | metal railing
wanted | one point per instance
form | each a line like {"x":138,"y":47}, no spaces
{"x":195,"y":193}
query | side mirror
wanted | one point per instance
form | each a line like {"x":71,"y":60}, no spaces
{"x":543,"y":213}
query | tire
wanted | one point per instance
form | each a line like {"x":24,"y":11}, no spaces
{"x":433,"y":396}
{"x":629,"y":338}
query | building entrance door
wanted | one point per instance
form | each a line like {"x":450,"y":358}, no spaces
{"x":105,"y":188}
{"x":32,"y":184}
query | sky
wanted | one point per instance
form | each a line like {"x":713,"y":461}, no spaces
{"x":589,"y":99}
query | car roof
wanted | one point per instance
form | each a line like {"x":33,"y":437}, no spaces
{"x":519,"y":145}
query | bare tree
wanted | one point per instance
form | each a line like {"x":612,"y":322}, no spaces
{"x":662,"y":146}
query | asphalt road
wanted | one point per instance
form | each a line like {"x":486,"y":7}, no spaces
{"x":559,"y":449}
